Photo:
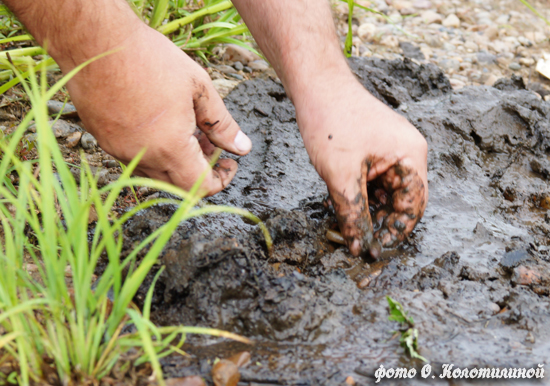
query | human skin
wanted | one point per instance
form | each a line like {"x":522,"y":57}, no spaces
{"x":150,"y":94}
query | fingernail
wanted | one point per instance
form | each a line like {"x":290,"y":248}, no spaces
{"x":355,"y":247}
{"x":242,"y":142}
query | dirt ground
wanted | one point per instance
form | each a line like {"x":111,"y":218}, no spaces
{"x":474,"y":275}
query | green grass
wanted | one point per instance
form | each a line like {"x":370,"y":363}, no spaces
{"x":196,"y":30}
{"x":76,"y":332}
{"x":408,"y":335}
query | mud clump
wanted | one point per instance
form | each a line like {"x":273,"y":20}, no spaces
{"x":474,"y":275}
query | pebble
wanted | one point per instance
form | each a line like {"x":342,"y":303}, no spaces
{"x":259,"y":65}
{"x":194,"y":380}
{"x":110,"y":163}
{"x":430,"y":17}
{"x":471,"y":46}
{"x":514,"y":66}
{"x":226,"y":69}
{"x":485,"y":57}
{"x":55,"y":107}
{"x":73,"y":139}
{"x":247,"y":69}
{"x":366,"y":31}
{"x":449,"y":47}
{"x":235,"y":53}
{"x":526,"y":276}
{"x":88,"y":141}
{"x":61,"y":128}
{"x":527,"y":62}
{"x":449,"y":64}
{"x":238,"y":66}
{"x":390,"y":41}
{"x":350,"y":381}
{"x":491,"y":33}
{"x":503,"y":19}
{"x":224,"y":86}
{"x":422,"y":4}
{"x":241,"y":359}
{"x":236,"y":76}
{"x":225,"y":373}
{"x":457,"y":84}
{"x":433,"y":40}
{"x":451,"y":21}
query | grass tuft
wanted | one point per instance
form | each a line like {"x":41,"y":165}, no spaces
{"x":78,"y":332}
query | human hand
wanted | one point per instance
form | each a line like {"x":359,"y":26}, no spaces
{"x":354,"y":139}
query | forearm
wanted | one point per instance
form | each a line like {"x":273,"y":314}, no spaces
{"x":298,"y":38}
{"x":76,"y":30}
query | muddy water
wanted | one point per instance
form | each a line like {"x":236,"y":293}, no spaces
{"x":475,"y":274}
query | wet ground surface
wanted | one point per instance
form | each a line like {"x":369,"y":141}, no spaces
{"x":475,"y":275}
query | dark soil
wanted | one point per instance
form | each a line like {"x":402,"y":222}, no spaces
{"x":474,"y":275}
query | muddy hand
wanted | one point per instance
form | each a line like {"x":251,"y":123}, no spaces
{"x":353,"y":140}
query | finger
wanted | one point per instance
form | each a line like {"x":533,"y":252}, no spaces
{"x":353,"y":214}
{"x":207,"y":147}
{"x":215,"y":121}
{"x":195,"y":165}
{"x":409,"y":198}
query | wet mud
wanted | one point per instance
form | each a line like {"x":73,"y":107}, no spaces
{"x":474,"y":275}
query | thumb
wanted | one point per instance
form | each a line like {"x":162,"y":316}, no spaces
{"x":215,"y":121}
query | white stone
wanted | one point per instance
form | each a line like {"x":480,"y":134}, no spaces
{"x":224,"y":86}
{"x":457,"y":84}
{"x":390,"y":41}
{"x":543,"y":66}
{"x":491,"y":32}
{"x":235,"y":53}
{"x":527,"y":62}
{"x":452,"y":21}
{"x":471,"y":46}
{"x":431,"y":17}
{"x":503,"y":19}
{"x":366,"y":31}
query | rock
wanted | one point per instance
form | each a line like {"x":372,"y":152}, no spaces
{"x":433,"y":40}
{"x":503,"y":19}
{"x":88,"y":141}
{"x":366,"y":31}
{"x":241,"y":359}
{"x":185,"y":381}
{"x":110,"y":163}
{"x":449,"y":64}
{"x":449,"y":47}
{"x":527,"y":62}
{"x":411,"y":51}
{"x":390,"y":41}
{"x":350,"y":381}
{"x":73,"y":139}
{"x":68,"y":110}
{"x":526,"y":276}
{"x":491,"y":32}
{"x":514,"y":66}
{"x":235,"y":53}
{"x":451,"y":21}
{"x":513,"y":258}
{"x":524,"y":41}
{"x":225,"y":373}
{"x":536,"y":37}
{"x":61,"y":128}
{"x":103,"y":178}
{"x":543,"y":66}
{"x":494,"y":308}
{"x":259,"y":65}
{"x":430,"y":17}
{"x":224,"y":86}
{"x":402,"y":4}
{"x":491,"y":80}
{"x":471,"y":46}
{"x":238,"y":66}
{"x":226,"y":69}
{"x":457,"y":84}
{"x":236,"y":76}
{"x":247,"y":69}
{"x":485,"y":57}
{"x":422,"y":4}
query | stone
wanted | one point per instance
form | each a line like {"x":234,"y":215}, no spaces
{"x":193,"y":380}
{"x":422,"y":4}
{"x":449,"y":64}
{"x":88,"y":141}
{"x":366,"y":31}
{"x":526,"y":276}
{"x":73,"y":139}
{"x":238,"y":66}
{"x":390,"y":41}
{"x":430,"y":17}
{"x":543,"y":66}
{"x":259,"y":65}
{"x":514,"y":66}
{"x":236,"y":76}
{"x":451,"y":21}
{"x":485,"y":57}
{"x":67,"y":109}
{"x":226,"y":69}
{"x":457,"y":84}
{"x":449,"y":47}
{"x":527,"y":62}
{"x":536,"y":37}
{"x":491,"y":80}
{"x":411,"y":51}
{"x":471,"y":46}
{"x":402,"y":4}
{"x":224,"y":86}
{"x":503,"y":19}
{"x":235,"y":53}
{"x":110,"y":163}
{"x":61,"y":128}
{"x":524,"y":41}
{"x":225,"y":373}
{"x":247,"y":69}
{"x":433,"y":40}
{"x":491,"y":32}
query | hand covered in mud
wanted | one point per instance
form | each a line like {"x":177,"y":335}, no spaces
{"x":354,"y":139}
{"x":151,"y":95}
